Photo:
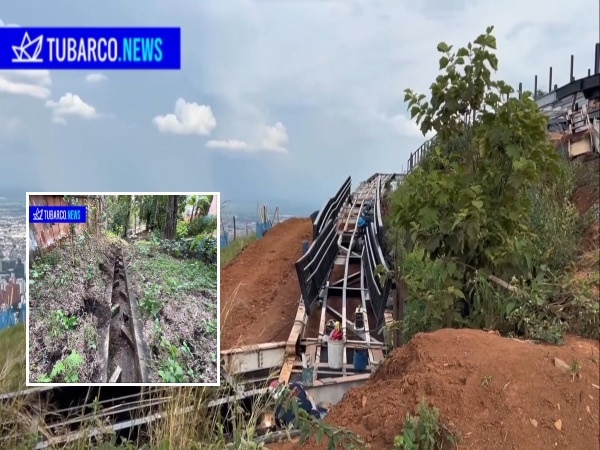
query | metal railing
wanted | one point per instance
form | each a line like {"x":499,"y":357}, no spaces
{"x":379,"y":287}
{"x":314,"y":267}
{"x":331,"y":209}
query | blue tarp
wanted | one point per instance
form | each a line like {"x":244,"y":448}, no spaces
{"x":7,"y":318}
{"x":224,"y":240}
{"x":261,"y":228}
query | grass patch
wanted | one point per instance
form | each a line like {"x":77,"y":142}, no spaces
{"x":178,"y":302}
{"x":12,"y":358}
{"x":231,"y":251}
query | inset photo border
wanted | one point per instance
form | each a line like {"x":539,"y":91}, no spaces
{"x":123,"y":288}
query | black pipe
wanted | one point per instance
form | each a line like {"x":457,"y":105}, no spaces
{"x":572,"y":77}
{"x":597,"y":60}
{"x":520,"y":89}
{"x":550,"y":81}
{"x":535,"y":89}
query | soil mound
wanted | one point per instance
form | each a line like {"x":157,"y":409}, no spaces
{"x":259,"y":288}
{"x":492,"y":392}
{"x":588,"y":195}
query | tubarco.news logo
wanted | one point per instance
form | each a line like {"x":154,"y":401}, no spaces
{"x":29,"y":50}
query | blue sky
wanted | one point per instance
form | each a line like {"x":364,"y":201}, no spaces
{"x":283,"y":99}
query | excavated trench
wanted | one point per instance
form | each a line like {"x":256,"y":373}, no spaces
{"x":124,"y":351}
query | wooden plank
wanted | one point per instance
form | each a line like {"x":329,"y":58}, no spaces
{"x":115,"y":376}
{"x":290,"y":347}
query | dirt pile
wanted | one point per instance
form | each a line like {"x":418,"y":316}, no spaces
{"x":259,"y":288}
{"x":492,"y":392}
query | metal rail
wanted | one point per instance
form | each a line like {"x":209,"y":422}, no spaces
{"x":357,"y":286}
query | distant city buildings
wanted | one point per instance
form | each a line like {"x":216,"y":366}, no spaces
{"x":12,"y":258}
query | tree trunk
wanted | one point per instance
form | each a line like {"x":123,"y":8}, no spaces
{"x":171,"y":222}
{"x":128,"y":218}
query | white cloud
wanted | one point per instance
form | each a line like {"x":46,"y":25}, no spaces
{"x":70,"y":105}
{"x":270,"y":139}
{"x":275,"y":138}
{"x":188,"y":118}
{"x":31,"y":83}
{"x":231,"y":144}
{"x":405,"y":126}
{"x":95,"y":78}
{"x":361,"y":55}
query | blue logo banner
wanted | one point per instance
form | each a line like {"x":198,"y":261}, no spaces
{"x":90,"y":48}
{"x":57,"y":214}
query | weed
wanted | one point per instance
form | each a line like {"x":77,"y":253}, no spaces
{"x":60,"y":322}
{"x":67,"y":369}
{"x":575,"y":369}
{"x":90,"y":273}
{"x":63,"y":278}
{"x":90,"y":335}
{"x":486,"y":380}
{"x":210,"y":326}
{"x":423,"y":431}
{"x":12,"y":358}
{"x":149,"y":303}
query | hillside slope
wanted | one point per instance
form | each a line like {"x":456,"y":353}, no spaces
{"x":259,"y":288}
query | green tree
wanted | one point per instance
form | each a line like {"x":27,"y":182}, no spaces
{"x":467,"y":203}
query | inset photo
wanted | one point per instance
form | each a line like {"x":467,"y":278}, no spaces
{"x":122,"y":288}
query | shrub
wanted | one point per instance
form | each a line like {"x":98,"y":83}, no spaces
{"x":203,"y":248}
{"x":202,"y":225}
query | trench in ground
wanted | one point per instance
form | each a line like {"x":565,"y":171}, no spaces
{"x":121,"y":347}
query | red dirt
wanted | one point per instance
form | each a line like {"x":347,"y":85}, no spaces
{"x":516,"y":408}
{"x":585,"y":197}
{"x":264,"y":307}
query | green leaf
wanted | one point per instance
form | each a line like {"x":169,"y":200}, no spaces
{"x":513,"y":151}
{"x":462,"y":52}
{"x":443,"y":47}
{"x":456,"y":292}
{"x":490,"y":41}
{"x":428,"y":217}
{"x":510,"y":307}
{"x":477,"y":204}
{"x":444,"y":62}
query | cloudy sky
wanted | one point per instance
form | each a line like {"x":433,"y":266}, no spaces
{"x":277,"y":100}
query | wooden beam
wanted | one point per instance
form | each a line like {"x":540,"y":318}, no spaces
{"x":116,"y":375}
{"x":290,"y":346}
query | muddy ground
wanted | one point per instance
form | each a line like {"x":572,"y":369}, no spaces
{"x":178,"y":302}
{"x":492,"y":393}
{"x":67,"y":307}
{"x":259,"y":288}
